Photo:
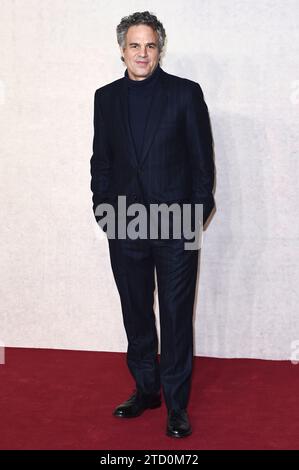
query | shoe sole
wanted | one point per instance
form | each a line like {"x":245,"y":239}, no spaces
{"x":152,"y":407}
{"x":178,"y":436}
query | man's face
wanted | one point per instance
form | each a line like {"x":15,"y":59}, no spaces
{"x":141,"y":52}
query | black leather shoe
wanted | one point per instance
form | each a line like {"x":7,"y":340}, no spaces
{"x":137,"y":404}
{"x":178,"y":424}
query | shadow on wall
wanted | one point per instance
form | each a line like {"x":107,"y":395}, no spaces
{"x":240,"y":144}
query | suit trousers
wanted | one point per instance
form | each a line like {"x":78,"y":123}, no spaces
{"x":133,"y":265}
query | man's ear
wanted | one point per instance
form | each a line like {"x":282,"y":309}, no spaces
{"x":121,"y":53}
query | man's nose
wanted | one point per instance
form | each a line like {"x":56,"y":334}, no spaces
{"x":143,"y":51}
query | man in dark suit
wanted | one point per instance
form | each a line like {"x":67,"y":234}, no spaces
{"x":153,"y":144}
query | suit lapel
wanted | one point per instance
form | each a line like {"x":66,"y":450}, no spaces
{"x":158,"y":105}
{"x":125,"y":121}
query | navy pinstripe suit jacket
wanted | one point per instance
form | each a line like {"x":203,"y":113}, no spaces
{"x":176,"y":163}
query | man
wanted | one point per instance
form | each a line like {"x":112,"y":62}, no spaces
{"x":153,"y":144}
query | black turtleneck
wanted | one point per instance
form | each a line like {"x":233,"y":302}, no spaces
{"x":140,"y":93}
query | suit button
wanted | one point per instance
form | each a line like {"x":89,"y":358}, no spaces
{"x":134,"y":196}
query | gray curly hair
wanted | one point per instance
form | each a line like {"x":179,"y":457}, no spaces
{"x":144,"y":17}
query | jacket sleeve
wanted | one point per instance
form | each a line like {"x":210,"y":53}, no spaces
{"x":200,"y":149}
{"x":100,"y":161}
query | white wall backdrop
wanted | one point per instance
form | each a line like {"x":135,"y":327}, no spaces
{"x":57,"y":287}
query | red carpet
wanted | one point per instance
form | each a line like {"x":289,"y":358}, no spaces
{"x":52,"y":399}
